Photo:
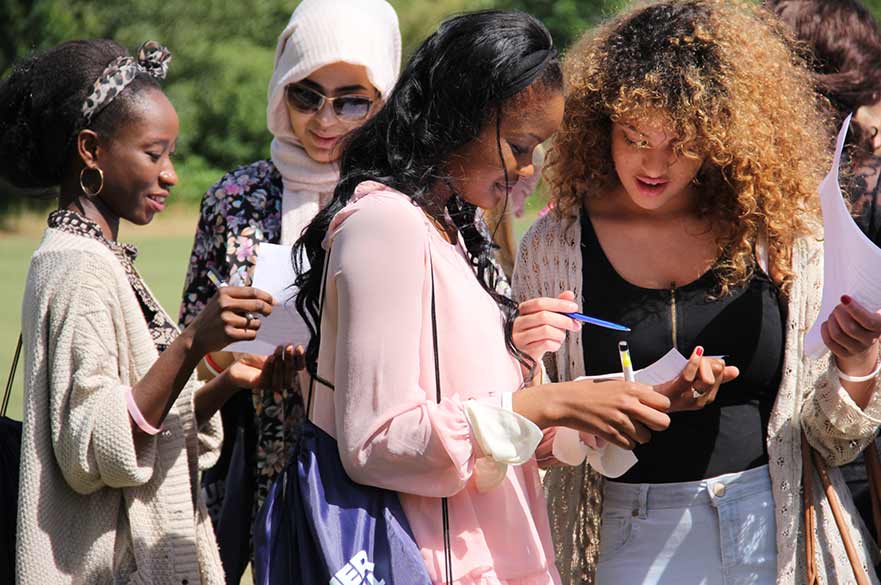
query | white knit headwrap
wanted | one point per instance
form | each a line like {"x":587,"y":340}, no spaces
{"x":321,"y":32}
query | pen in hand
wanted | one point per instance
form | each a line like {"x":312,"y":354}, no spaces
{"x":219,"y":283}
{"x":626,"y":363}
{"x":598,"y":322}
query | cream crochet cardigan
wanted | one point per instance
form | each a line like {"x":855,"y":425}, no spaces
{"x":98,"y":505}
{"x":809,"y":398}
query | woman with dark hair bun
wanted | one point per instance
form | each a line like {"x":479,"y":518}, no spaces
{"x":115,"y":429}
{"x":400,"y":275}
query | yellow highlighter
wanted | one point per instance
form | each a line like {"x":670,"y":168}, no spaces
{"x":626,"y":363}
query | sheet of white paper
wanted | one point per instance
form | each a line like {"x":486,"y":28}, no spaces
{"x":665,"y":369}
{"x":851,"y":262}
{"x":274,"y":273}
{"x":613,"y":461}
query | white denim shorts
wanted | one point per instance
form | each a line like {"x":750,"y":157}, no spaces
{"x":718,"y":531}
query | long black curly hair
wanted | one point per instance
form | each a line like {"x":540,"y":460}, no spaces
{"x":458,"y":81}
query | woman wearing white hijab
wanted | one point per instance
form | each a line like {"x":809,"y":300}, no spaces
{"x":335,"y":62}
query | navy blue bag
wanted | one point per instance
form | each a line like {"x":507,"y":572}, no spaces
{"x":318,"y":527}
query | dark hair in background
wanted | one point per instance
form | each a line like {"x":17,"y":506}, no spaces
{"x":845,"y":50}
{"x":41,"y":109}
{"x":459,"y":80}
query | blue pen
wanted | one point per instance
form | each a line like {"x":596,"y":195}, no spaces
{"x":597,"y":322}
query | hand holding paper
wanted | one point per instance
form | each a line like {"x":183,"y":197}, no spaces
{"x":673,"y":372}
{"x":698,"y":383}
{"x":677,"y":378}
{"x":610,"y":454}
{"x":274,"y":273}
{"x":622,"y":413}
{"x":851,"y":269}
{"x":851,"y":333}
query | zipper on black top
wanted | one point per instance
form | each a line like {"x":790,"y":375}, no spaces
{"x":673,"y":313}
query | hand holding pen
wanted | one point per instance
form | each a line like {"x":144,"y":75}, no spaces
{"x":541,"y":327}
{"x":543,"y":323}
{"x":595,"y":441}
{"x":231,"y":315}
{"x":626,"y":361}
{"x":280,"y":369}
{"x":219,"y":284}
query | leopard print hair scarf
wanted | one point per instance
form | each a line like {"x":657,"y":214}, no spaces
{"x":153,"y":59}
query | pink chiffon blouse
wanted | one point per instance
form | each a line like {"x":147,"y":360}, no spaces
{"x":376,"y":349}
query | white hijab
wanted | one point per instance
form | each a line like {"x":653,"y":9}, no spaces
{"x":321,"y":32}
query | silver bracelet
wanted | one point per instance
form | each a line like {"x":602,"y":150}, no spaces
{"x":870,"y":376}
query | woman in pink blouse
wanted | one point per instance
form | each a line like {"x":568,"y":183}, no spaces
{"x":460,"y":127}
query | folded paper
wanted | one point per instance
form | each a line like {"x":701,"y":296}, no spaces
{"x":851,"y":262}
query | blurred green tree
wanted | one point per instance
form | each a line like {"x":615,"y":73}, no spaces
{"x":223,"y":57}
{"x":566,"y":19}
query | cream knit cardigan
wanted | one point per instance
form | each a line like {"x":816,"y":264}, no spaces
{"x":809,"y":398}
{"x":98,"y":504}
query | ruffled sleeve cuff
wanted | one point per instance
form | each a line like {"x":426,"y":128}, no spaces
{"x":503,"y":435}
{"x":502,"y":438}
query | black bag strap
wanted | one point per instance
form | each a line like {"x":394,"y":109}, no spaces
{"x":318,"y":336}
{"x":11,"y":378}
{"x":445,"y":508}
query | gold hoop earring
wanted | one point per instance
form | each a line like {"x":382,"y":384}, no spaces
{"x":89,"y":193}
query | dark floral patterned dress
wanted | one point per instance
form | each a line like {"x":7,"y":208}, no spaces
{"x":238,"y":213}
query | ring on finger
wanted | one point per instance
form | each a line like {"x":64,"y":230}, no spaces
{"x":696,"y":394}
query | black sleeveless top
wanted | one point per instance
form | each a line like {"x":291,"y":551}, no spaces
{"x":746,"y":325}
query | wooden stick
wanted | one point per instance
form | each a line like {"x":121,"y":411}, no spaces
{"x":858,"y":572}
{"x":808,"y":505}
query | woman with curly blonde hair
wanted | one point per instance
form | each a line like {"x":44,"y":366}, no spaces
{"x":685,"y":178}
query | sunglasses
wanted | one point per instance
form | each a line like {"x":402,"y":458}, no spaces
{"x":348,"y":108}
